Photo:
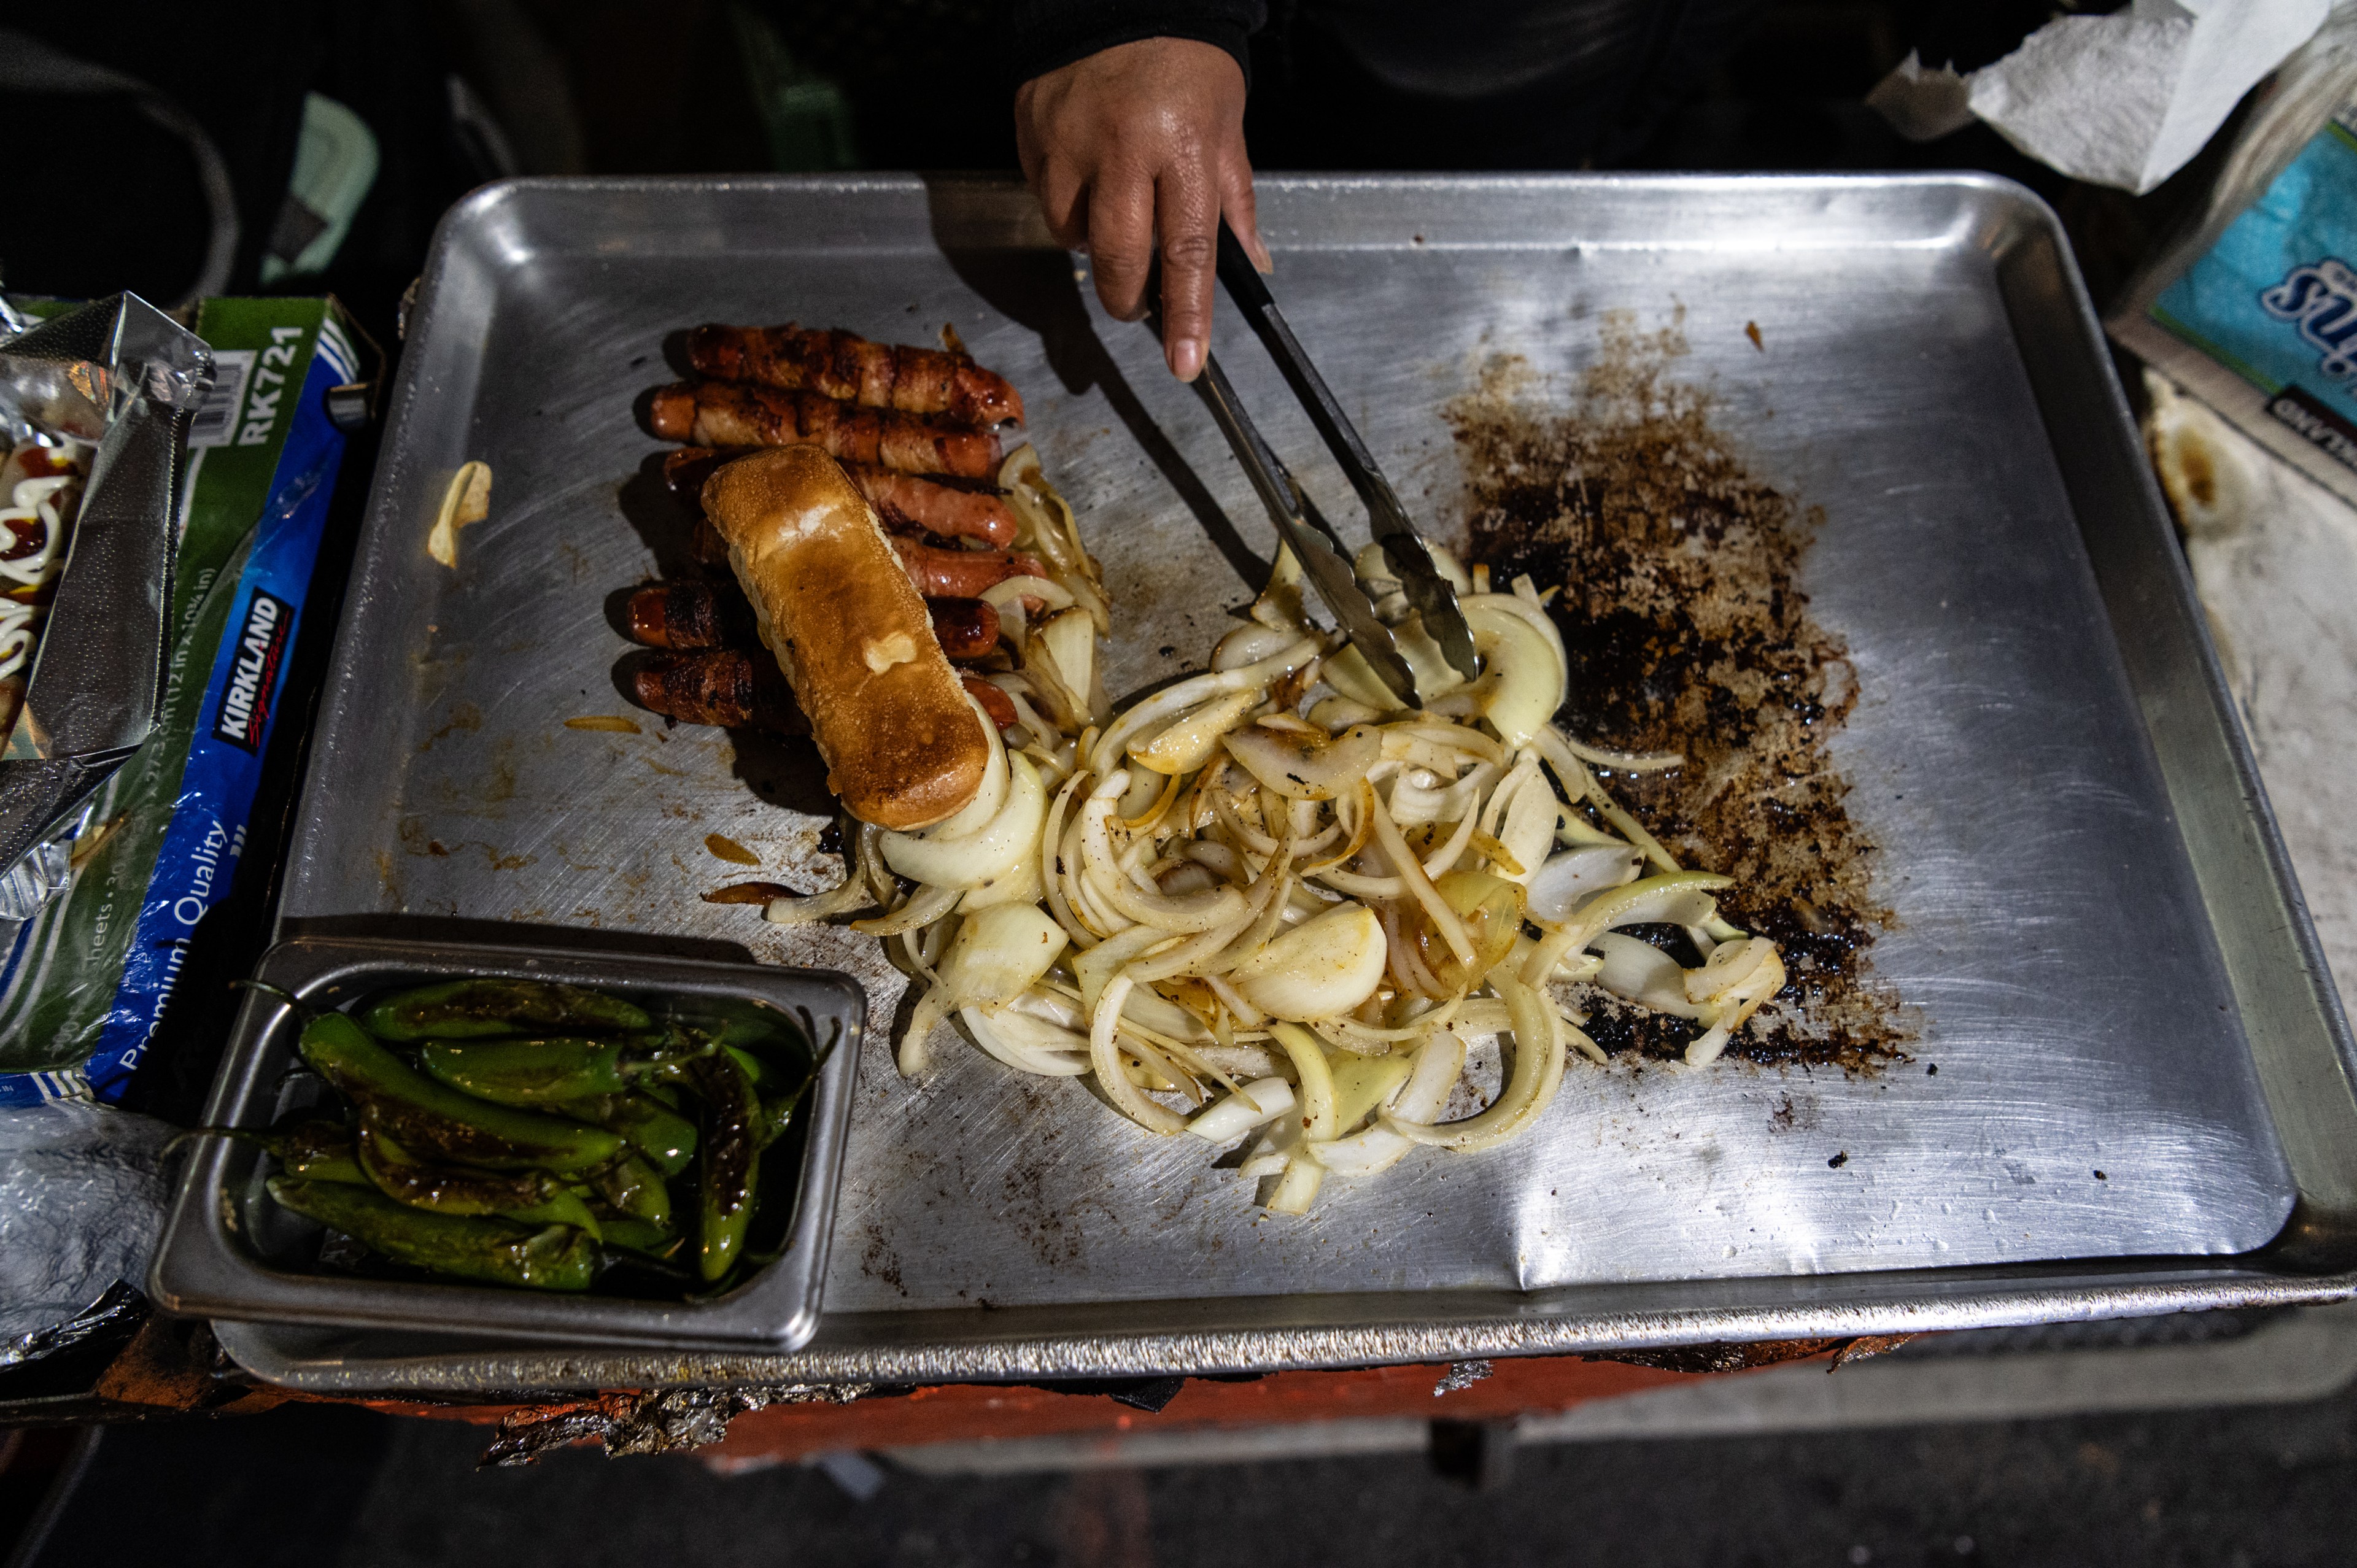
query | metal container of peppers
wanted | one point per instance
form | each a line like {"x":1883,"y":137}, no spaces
{"x":555,"y":1144}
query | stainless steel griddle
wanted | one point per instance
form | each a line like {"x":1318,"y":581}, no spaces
{"x":2096,"y":921}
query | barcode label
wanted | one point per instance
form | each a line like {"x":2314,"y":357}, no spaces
{"x":216,"y":420}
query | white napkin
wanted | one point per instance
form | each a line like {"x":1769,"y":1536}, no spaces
{"x":2122,"y":100}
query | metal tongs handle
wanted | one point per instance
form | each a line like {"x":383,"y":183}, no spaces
{"x":1309,"y":536}
{"x":1433,"y":597}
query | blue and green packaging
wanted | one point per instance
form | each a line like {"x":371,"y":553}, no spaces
{"x":89,"y":977}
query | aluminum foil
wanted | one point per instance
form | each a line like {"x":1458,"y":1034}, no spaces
{"x":120,"y":374}
{"x":81,"y":1202}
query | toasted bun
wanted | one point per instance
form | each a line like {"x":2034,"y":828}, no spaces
{"x":903,"y":745}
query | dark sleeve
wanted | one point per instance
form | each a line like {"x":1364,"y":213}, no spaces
{"x":1043,"y":35}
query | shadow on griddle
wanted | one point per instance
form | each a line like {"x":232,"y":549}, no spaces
{"x":1037,"y":288}
{"x":515,"y":934}
{"x":784,"y":771}
{"x":663,"y":520}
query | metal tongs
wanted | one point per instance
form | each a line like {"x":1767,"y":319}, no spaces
{"x":1324,"y":559}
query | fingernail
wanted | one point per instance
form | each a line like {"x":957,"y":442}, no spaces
{"x":1187,"y":358}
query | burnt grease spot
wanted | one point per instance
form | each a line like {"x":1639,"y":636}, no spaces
{"x":1686,"y":632}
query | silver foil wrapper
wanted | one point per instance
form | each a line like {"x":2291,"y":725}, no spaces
{"x":124,"y":376}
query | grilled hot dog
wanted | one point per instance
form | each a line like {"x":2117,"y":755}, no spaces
{"x":843,"y":365}
{"x":691,"y":614}
{"x":729,"y":414}
{"x":903,"y":500}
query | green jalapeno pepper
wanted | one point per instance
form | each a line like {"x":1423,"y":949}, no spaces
{"x":635,"y":1190}
{"x":732,"y":1162}
{"x":478,"y":1009}
{"x":757,"y":1071}
{"x":438,"y":1122}
{"x":642,"y":1236}
{"x":656,"y":1130}
{"x":446,"y":1190}
{"x":777,"y":1112}
{"x":493,"y":1251}
{"x":321,"y":1151}
{"x":528,"y":1072}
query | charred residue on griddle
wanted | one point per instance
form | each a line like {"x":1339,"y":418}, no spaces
{"x":1686,"y":630}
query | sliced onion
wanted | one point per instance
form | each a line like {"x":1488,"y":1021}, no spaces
{"x":1000,"y":952}
{"x":1013,"y":591}
{"x":1441,"y":748}
{"x":1434,"y":674}
{"x":1186,"y":742}
{"x":1729,"y":966}
{"x":976,"y":813}
{"x":1641,"y":972}
{"x":1735,"y":1005}
{"x":1019,"y":1041}
{"x":1537,"y":1073}
{"x":1298,"y":1187}
{"x":1338,"y":714}
{"x":1050,"y":877}
{"x":1105,"y":1058}
{"x":1411,"y":871}
{"x":1530,"y":610}
{"x":1185,"y":693}
{"x":1321,"y":968}
{"x":1413,"y":804}
{"x":1626,"y":761}
{"x":1020,"y":885}
{"x":915,"y":1048}
{"x":850,"y":894}
{"x":1567,"y":880}
{"x":1583,"y":784}
{"x":1305,"y":765}
{"x":1207,"y":950}
{"x":985,"y":854}
{"x":1364,"y":1083}
{"x":1069,"y":637}
{"x":1275,"y":1149}
{"x":1679,"y":898}
{"x":1250,"y":645}
{"x":1347,"y":672}
{"x":1096,"y":968}
{"x":1527,"y":827}
{"x":1533,"y":684}
{"x":1309,"y":1065}
{"x":1251,"y":1105}
{"x":1439,"y":1063}
{"x":925,"y":906}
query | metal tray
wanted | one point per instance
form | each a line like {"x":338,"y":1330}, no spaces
{"x":2096,"y":922}
{"x":229,"y":1249}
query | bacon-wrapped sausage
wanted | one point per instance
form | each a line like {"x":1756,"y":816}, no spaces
{"x":903,"y":500}
{"x":688,"y":615}
{"x":843,"y":365}
{"x":966,"y":628}
{"x":725,"y":686}
{"x":739,"y":690}
{"x":692,"y":615}
{"x":729,"y":414}
{"x":995,"y":702}
{"x":961,"y":574}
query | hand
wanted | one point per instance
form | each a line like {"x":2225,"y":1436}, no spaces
{"x":1137,"y":151}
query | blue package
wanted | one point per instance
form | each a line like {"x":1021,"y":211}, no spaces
{"x":2274,"y":300}
{"x":195,"y":863}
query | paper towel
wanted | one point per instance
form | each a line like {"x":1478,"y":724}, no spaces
{"x":2122,"y":100}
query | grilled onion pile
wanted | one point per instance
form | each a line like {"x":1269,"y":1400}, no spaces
{"x":1267,"y":900}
